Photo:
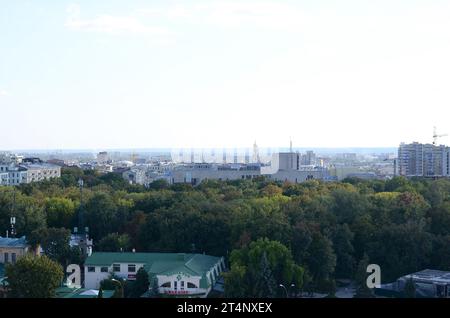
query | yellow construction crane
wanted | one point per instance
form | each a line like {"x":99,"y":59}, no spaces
{"x":436,"y":135}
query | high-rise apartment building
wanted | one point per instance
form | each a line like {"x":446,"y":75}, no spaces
{"x":423,"y":160}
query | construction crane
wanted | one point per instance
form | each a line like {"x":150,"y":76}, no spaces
{"x":436,"y":135}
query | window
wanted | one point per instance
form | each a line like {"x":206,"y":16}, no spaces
{"x":190,"y":285}
{"x":6,"y":257}
{"x":13,"y":257}
{"x":182,"y":285}
{"x":175,"y":285}
{"x":131,"y":268}
{"x":104,"y":269}
{"x":91,"y":269}
{"x":116,"y":267}
{"x":166,"y":285}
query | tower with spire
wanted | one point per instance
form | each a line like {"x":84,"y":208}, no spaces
{"x":256,"y":158}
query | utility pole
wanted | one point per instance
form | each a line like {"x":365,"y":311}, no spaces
{"x":13,"y":218}
{"x":80,"y":214}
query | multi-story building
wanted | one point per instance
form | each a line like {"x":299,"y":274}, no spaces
{"x":12,"y":249}
{"x":13,"y":174}
{"x":423,"y":160}
{"x":190,"y":275}
{"x":102,"y":157}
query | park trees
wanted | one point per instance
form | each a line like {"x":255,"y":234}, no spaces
{"x":34,"y":277}
{"x":259,"y":269}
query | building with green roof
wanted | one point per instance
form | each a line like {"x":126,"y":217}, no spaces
{"x":177,"y":274}
{"x":67,"y":292}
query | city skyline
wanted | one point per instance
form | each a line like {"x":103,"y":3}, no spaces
{"x":209,"y":74}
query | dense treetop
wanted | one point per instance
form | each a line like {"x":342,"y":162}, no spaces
{"x":327,"y":228}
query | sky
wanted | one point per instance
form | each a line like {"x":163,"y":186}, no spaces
{"x":192,"y":74}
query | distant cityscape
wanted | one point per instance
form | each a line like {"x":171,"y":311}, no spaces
{"x":193,"y":166}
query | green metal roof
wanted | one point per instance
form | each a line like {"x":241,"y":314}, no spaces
{"x":67,"y":292}
{"x":158,"y":263}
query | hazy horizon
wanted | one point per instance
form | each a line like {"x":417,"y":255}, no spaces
{"x":177,"y":74}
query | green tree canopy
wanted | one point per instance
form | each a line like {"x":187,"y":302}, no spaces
{"x":34,"y":277}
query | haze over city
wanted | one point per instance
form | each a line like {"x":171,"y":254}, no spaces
{"x":140,"y":74}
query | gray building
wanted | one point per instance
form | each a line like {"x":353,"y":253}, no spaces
{"x":283,"y":167}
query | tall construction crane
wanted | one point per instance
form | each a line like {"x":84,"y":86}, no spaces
{"x":436,"y":135}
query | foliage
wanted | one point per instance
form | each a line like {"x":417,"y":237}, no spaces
{"x":259,"y":269}
{"x":140,"y":285}
{"x":114,"y":242}
{"x":34,"y":277}
{"x":329,"y":228}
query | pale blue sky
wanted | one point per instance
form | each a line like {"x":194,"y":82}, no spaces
{"x":142,"y":74}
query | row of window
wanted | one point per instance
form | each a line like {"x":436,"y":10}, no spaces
{"x":116,"y":268}
{"x":175,"y":285}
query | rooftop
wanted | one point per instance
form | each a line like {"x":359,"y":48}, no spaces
{"x":431,"y":275}
{"x":158,"y":263}
{"x":67,"y":292}
{"x":13,"y":242}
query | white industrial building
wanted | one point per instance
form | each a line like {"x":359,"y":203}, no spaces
{"x":283,"y":167}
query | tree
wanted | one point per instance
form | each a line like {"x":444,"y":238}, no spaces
{"x":362,"y":290}
{"x":410,"y":289}
{"x":34,"y":277}
{"x":54,"y":242}
{"x":321,"y":260}
{"x":114,"y":242}
{"x":140,"y":285}
{"x":114,"y":283}
{"x":60,"y":212}
{"x":100,"y":215}
{"x":159,"y":184}
{"x":257,"y":270}
{"x":343,"y":247}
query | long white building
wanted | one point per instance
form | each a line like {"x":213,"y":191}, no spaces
{"x":189,"y":275}
{"x":12,"y":174}
{"x":283,"y":167}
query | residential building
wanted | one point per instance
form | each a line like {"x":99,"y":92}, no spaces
{"x":189,"y":275}
{"x":102,"y":157}
{"x":30,"y":170}
{"x":12,"y":249}
{"x":423,"y":160}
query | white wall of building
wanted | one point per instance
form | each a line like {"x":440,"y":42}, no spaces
{"x":92,"y":279}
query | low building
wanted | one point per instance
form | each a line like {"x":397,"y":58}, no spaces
{"x":428,"y":283}
{"x":40,"y":172}
{"x":13,"y":248}
{"x":189,"y":275}
{"x":68,"y":292}
{"x":136,"y":176}
{"x":196,"y":173}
